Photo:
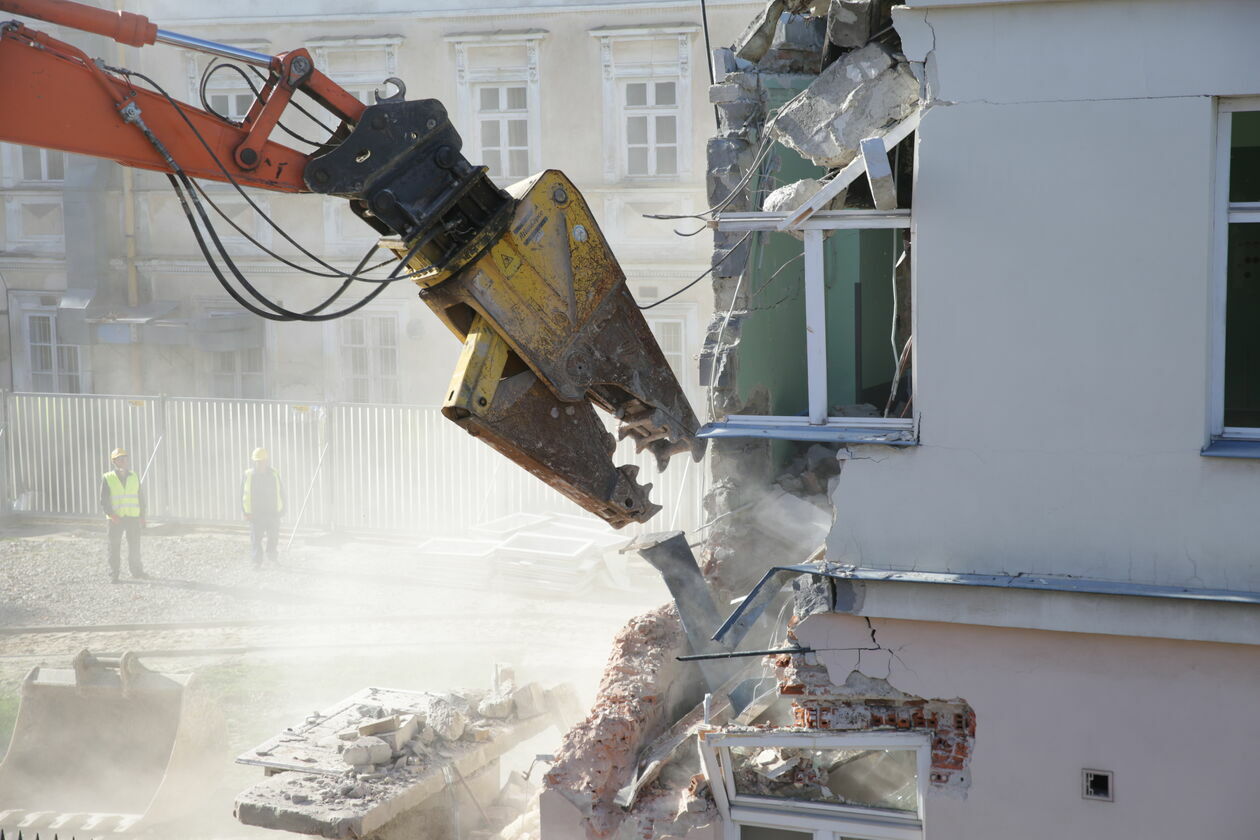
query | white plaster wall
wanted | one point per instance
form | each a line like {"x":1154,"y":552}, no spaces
{"x":1170,"y":719}
{"x":1062,"y":279}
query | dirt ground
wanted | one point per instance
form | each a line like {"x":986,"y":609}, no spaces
{"x":272,"y":645}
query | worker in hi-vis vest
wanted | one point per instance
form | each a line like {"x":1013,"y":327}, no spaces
{"x":262,"y":502}
{"x":122,"y":501}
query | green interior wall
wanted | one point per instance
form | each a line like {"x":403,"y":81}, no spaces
{"x":859,"y":301}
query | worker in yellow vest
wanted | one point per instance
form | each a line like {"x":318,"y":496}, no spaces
{"x":262,"y":502}
{"x":122,"y":501}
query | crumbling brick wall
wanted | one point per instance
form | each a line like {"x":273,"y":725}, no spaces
{"x":866,"y":703}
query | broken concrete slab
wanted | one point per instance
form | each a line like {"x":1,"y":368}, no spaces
{"x":309,"y":789}
{"x":444,"y":719}
{"x":852,"y":23}
{"x":797,"y":46}
{"x":497,"y":706}
{"x":860,"y":95}
{"x":530,"y":700}
{"x":367,"y":750}
{"x":756,"y":40}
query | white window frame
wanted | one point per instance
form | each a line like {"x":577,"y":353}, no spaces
{"x":22,"y":305}
{"x":21,"y":191}
{"x":340,"y":389}
{"x":363,"y":83}
{"x":825,"y":821}
{"x":225,"y":81}
{"x":813,"y":223}
{"x":1225,"y":214}
{"x":687,"y":314}
{"x":616,"y":74}
{"x":469,"y":78}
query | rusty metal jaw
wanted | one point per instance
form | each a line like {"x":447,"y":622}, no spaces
{"x":551,"y":331}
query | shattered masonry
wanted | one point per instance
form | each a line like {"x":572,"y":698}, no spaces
{"x":867,"y":703}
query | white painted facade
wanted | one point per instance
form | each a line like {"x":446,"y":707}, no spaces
{"x":1068,"y":300}
{"x":1064,"y":271}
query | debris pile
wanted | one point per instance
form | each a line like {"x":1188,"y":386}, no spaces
{"x":383,"y":761}
{"x":642,"y":692}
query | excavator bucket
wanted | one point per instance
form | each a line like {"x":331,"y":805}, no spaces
{"x":107,"y":747}
{"x":551,"y":331}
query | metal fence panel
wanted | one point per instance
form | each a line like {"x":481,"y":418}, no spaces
{"x":362,"y":468}
{"x":59,"y":445}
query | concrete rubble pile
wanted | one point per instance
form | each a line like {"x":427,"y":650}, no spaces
{"x":384,"y":762}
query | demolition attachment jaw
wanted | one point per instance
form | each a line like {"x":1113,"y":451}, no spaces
{"x":527,"y":281}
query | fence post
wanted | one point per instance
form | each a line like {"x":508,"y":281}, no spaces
{"x":331,"y":489}
{"x":6,"y":449}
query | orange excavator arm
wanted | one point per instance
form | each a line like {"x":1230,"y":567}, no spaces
{"x":57,"y":97}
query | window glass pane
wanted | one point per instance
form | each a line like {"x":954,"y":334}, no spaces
{"x":636,"y":94}
{"x":518,"y":133}
{"x":516,"y":98}
{"x":758,"y":832}
{"x":220,"y":104}
{"x":359,"y":391}
{"x":493,"y":161}
{"x":636,"y":130}
{"x":357,"y":361}
{"x":352,"y":330}
{"x":241,"y":104}
{"x":71,"y":383}
{"x":32,"y":164}
{"x":667,"y":161}
{"x":636,"y":161}
{"x":1244,"y":157}
{"x":389,"y":391}
{"x":56,"y":165}
{"x":1242,"y":338}
{"x":667,"y":130}
{"x":387,"y":361}
{"x":518,"y":163}
{"x":489,"y":99}
{"x":41,"y":357}
{"x":886,"y":779}
{"x":251,"y":360}
{"x":666,"y":93}
{"x":41,"y":329}
{"x":490,"y":134}
{"x":68,"y":359}
{"x":385,"y":332}
{"x":43,"y":382}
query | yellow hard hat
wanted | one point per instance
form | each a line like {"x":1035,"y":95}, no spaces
{"x":118,"y":453}
{"x":260,"y":454}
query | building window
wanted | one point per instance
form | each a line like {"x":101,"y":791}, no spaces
{"x":503,"y":130}
{"x":237,"y":374}
{"x":369,"y":357}
{"x":647,"y":83}
{"x":1236,"y":387}
{"x":228,"y":94}
{"x":858,"y":786}
{"x":360,"y":65}
{"x":497,"y":100}
{"x":650,"y":111}
{"x":45,"y":363}
{"x":43,"y":165}
{"x":33,"y":178}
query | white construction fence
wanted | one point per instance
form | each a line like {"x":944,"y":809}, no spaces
{"x":355,"y":468}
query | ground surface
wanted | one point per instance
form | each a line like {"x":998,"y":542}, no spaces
{"x":274,"y":644}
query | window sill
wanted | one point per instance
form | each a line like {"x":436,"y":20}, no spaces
{"x":881,"y":431}
{"x":1231,"y":448}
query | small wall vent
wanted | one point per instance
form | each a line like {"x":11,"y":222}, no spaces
{"x":1098,"y":784}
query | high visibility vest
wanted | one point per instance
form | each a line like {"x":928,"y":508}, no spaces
{"x":124,"y":498}
{"x":247,"y":503}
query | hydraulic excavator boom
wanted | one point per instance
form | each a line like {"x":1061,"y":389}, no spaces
{"x":523,"y":277}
